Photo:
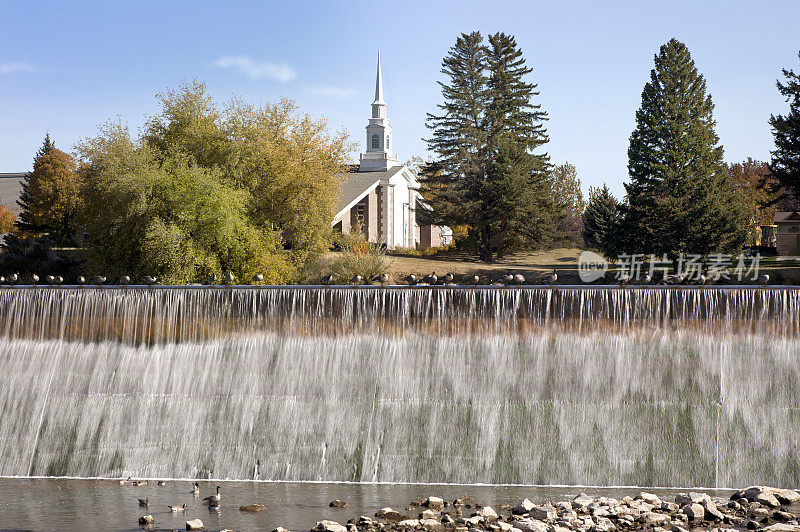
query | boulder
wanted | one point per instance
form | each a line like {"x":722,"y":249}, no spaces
{"x":390,"y":515}
{"x":428,"y":514}
{"x":487,"y":512}
{"x":431,"y":524}
{"x":195,"y":524}
{"x":253,"y":508}
{"x":767,"y":495}
{"x":530,"y":525}
{"x":409,"y":522}
{"x":654,"y":518}
{"x":649,"y":498}
{"x":557,"y":528}
{"x":329,"y":526}
{"x":694,"y":511}
{"x":677,"y":528}
{"x":337,"y":504}
{"x":682,"y":499}
{"x":581,"y":501}
{"x":434,"y":503}
{"x":524,"y":506}
{"x":712,"y":513}
{"x":280,"y":529}
{"x":542,"y":513}
{"x":767,"y":499}
{"x":669,"y":506}
{"x":604,"y":524}
{"x":782,"y":527}
{"x":146,"y":520}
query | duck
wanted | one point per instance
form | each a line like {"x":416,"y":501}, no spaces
{"x":328,"y":279}
{"x":196,"y":489}
{"x":144,"y":502}
{"x":257,"y":278}
{"x":411,"y":279}
{"x":430,"y":279}
{"x":213,"y":500}
{"x":176,"y":509}
{"x":355,"y":279}
{"x":98,"y":279}
{"x":551,"y":278}
{"x":381,"y":278}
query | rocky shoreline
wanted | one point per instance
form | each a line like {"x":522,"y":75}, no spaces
{"x":755,"y":508}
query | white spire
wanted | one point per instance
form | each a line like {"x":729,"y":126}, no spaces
{"x":379,"y":82}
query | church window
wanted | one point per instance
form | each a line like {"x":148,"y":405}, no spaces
{"x":375,"y":141}
{"x":387,"y":142}
{"x":376,"y":113}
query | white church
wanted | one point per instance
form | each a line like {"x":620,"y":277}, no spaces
{"x":380,"y":195}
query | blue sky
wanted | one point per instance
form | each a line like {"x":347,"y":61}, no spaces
{"x":67,"y":67}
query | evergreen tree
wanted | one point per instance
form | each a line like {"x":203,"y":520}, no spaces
{"x":485,"y":174}
{"x":600,"y":221}
{"x":51,"y":194}
{"x":681,"y":197}
{"x":786,"y":130}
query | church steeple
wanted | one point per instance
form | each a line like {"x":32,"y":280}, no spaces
{"x":378,"y":156}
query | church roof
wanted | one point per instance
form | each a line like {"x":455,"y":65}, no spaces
{"x":358,"y":184}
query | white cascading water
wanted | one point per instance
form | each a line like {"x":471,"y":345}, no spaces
{"x":583,"y":385}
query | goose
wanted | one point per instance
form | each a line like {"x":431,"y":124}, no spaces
{"x":763,"y":279}
{"x":161,"y":483}
{"x":475,"y":280}
{"x":701,"y":279}
{"x":507,"y":279}
{"x":34,"y":279}
{"x":551,"y":278}
{"x":51,"y":279}
{"x":196,"y":489}
{"x":13,"y":278}
{"x":176,"y":509}
{"x":123,"y":482}
{"x":144,"y":502}
{"x":230,"y":278}
{"x":676,"y":278}
{"x":213,"y":500}
{"x":624,"y":278}
{"x":212,"y":279}
{"x":430,"y":279}
{"x":81,"y":279}
{"x":2,"y":279}
{"x":124,"y":280}
{"x":355,"y":279}
{"x":59,"y":279}
{"x":411,"y":279}
{"x":648,"y":279}
{"x":98,"y":279}
{"x":447,"y":278}
{"x":381,"y":278}
{"x":328,"y":279}
{"x":519,"y":278}
{"x":149,"y":280}
{"x":257,"y":278}
{"x":140,"y":483}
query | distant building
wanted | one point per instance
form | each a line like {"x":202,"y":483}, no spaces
{"x":10,"y":189}
{"x":788,"y":232}
{"x":380,"y":195}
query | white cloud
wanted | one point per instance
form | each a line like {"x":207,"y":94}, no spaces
{"x":255,"y":70}
{"x":331,"y":91}
{"x":18,"y":66}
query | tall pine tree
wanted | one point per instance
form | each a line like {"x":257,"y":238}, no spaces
{"x":485,"y":174}
{"x":50,"y":195}
{"x":785,"y":164}
{"x":681,"y":197}
{"x":600,"y":221}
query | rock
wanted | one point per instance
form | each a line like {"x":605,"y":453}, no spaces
{"x":669,"y":506}
{"x":253,"y":508}
{"x":604,"y":524}
{"x":581,"y":501}
{"x":677,"y":528}
{"x":524,"y":506}
{"x":329,"y":526}
{"x":447,"y":519}
{"x":780,"y":515}
{"x":487,"y":512}
{"x":724,"y":530}
{"x":557,"y":528}
{"x":337,"y":504}
{"x":649,"y":498}
{"x":389,"y":514}
{"x":146,"y":520}
{"x":767,"y":495}
{"x":759,"y":513}
{"x":530,"y":525}
{"x":194,"y":524}
{"x":542,"y":513}
{"x":694,"y":511}
{"x":409,"y":522}
{"x":431,"y":524}
{"x":654,"y":518}
{"x":682,"y":499}
{"x":435,"y":503}
{"x":428,"y":514}
{"x":505,"y":527}
{"x":712,"y":513}
{"x":280,"y":529}
{"x":767,"y":499}
{"x":782,"y":527}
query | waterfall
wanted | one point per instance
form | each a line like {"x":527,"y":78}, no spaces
{"x":572,"y":385}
